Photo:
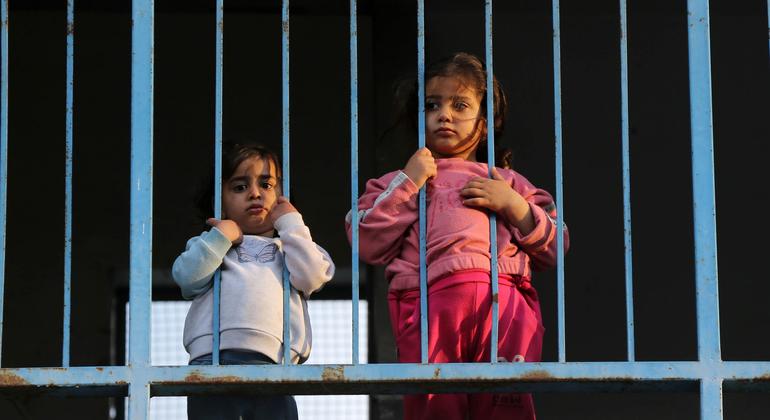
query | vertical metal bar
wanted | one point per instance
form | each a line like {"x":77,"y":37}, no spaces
{"x":704,"y":206}
{"x":711,"y":399}
{"x":421,"y":197}
{"x":559,"y":178}
{"x":140,"y":266}
{"x":631,"y":347}
{"x":491,"y":164}
{"x":68,"y":152}
{"x":285,"y":171}
{"x":217,"y":171}
{"x":354,"y":264}
{"x":3,"y":153}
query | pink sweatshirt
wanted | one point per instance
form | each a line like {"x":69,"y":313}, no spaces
{"x":457,"y":235}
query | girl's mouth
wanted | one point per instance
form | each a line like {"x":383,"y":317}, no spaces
{"x":255,"y":209}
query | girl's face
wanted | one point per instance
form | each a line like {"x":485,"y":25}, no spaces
{"x":452,"y":123}
{"x":249,"y":196}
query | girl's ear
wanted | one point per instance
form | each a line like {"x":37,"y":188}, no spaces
{"x":498,"y":122}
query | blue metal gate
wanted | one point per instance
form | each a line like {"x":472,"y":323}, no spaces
{"x":139,"y":379}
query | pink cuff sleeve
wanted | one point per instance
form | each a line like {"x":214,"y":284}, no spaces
{"x":543,"y":233}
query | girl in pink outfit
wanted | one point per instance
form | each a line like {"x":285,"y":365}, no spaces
{"x":459,"y":197}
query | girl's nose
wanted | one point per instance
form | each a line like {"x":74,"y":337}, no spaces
{"x":445,"y":114}
{"x":254,"y":192}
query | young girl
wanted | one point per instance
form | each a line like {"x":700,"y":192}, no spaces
{"x":459,"y":197}
{"x":260,"y":232}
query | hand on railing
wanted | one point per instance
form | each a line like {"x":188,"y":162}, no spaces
{"x":228,"y":228}
{"x":421,"y":167}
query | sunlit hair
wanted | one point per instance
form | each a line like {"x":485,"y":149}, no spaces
{"x":233,"y":154}
{"x":471,"y":72}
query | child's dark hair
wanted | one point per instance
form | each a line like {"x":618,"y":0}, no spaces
{"x":233,"y":154}
{"x":472,"y":73}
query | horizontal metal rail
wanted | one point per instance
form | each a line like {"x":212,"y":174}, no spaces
{"x":399,"y":378}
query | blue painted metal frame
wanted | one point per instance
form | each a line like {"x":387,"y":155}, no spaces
{"x":627,"y":242}
{"x":489,"y":38}
{"x":422,"y":223}
{"x":286,"y":172}
{"x":559,"y":180}
{"x":704,"y":203}
{"x":140,"y":268}
{"x":68,"y":152}
{"x":3,"y":153}
{"x":219,"y":63}
{"x":354,"y":263}
{"x":395,"y":378}
{"x":708,"y":375}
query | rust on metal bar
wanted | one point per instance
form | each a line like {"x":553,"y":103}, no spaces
{"x":10,"y":379}
{"x":333,"y":373}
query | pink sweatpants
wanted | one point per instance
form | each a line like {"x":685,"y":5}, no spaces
{"x":459,"y":330}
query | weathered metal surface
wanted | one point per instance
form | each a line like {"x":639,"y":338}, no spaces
{"x":704,"y":207}
{"x":561,"y":328}
{"x":3,"y":153}
{"x":68,"y":185}
{"x":421,"y":203}
{"x":140,"y":265}
{"x":354,"y":262}
{"x":392,"y":378}
{"x":286,"y":173}
{"x":704,"y":203}
{"x":219,"y":53}
{"x":489,"y":38}
{"x":627,"y":242}
{"x":711,"y":398}
{"x":384,"y":379}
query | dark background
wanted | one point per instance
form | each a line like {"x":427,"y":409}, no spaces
{"x":661,"y":196}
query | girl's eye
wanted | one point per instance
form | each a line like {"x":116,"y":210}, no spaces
{"x":239,"y":187}
{"x":267,"y":186}
{"x":461,"y":106}
{"x":430,"y":106}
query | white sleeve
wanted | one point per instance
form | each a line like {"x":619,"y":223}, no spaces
{"x":310,"y":266}
{"x":195,"y":267}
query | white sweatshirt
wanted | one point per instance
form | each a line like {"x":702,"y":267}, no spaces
{"x":251,"y":300}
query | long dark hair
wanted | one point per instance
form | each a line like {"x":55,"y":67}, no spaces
{"x":233,"y":154}
{"x":472,"y":73}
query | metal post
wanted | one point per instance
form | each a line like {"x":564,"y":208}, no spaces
{"x":711,"y":399}
{"x":354,"y":263}
{"x":491,"y":164}
{"x":421,"y":197}
{"x":286,"y":171}
{"x":217,"y":172}
{"x":3,"y":154}
{"x":631,"y":347}
{"x":140,"y":268}
{"x":704,"y":206}
{"x":559,"y":179}
{"x":68,"y":152}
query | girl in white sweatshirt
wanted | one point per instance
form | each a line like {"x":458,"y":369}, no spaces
{"x":260,"y":232}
